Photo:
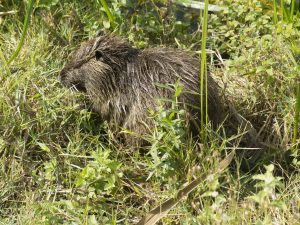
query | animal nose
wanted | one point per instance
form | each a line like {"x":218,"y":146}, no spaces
{"x":62,"y":75}
{"x":63,"y":72}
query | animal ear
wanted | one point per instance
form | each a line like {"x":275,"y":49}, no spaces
{"x":99,"y":55}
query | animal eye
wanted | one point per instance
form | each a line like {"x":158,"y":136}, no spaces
{"x":99,"y":55}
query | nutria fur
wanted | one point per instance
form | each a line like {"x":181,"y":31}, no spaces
{"x":121,"y":81}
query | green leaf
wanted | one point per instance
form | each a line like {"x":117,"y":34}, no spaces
{"x":106,"y":24}
{"x":47,"y":3}
{"x":43,"y":147}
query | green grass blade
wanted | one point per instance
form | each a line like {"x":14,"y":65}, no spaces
{"x":282,"y":9}
{"x":297,"y":111}
{"x":4,"y":62}
{"x":292,"y":9}
{"x":275,"y":17}
{"x":206,"y":94}
{"x":108,"y":12}
{"x":203,"y":67}
{"x":24,"y":32}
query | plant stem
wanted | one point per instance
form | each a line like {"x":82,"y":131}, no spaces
{"x":292,"y":9}
{"x":281,"y":9}
{"x":24,"y":32}
{"x":202,"y":69}
{"x":108,"y":13}
{"x":297,"y":111}
{"x":275,"y":12}
{"x":4,"y":62}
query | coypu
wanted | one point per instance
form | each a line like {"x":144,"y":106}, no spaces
{"x":121,"y":81}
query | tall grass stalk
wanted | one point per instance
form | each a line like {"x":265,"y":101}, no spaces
{"x":275,"y":12}
{"x":24,"y":32}
{"x":292,"y":9}
{"x":297,"y":112}
{"x":282,"y":9}
{"x":202,"y":71}
{"x":297,"y":107}
{"x":206,"y":93}
{"x":4,"y":63}
{"x":108,"y":12}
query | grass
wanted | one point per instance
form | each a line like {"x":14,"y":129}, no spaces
{"x":107,"y":11}
{"x":297,"y":111}
{"x":25,"y":27}
{"x":60,"y":165}
{"x":203,"y":74}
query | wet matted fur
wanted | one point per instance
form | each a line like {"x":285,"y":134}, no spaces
{"x":121,"y":81}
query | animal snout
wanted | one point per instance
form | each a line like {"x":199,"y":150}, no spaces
{"x":71,"y":80}
{"x":62,"y":75}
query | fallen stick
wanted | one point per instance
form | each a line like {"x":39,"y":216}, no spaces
{"x":162,"y":210}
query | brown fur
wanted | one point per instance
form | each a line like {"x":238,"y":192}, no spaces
{"x":121,"y":81}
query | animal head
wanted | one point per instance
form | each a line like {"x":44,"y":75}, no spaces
{"x":96,"y":63}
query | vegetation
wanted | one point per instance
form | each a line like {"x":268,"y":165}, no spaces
{"x":59,"y":164}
